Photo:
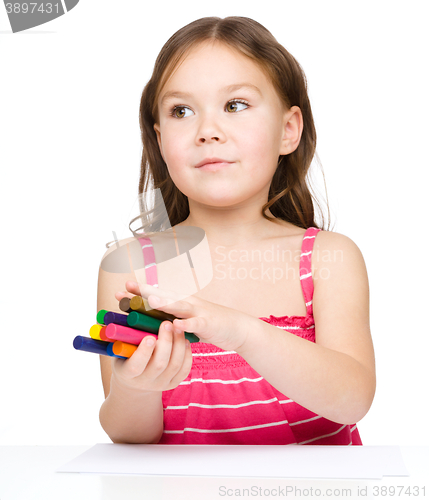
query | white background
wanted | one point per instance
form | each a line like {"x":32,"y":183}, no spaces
{"x":70,"y":157}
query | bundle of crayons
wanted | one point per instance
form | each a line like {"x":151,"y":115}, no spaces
{"x":119,"y":335}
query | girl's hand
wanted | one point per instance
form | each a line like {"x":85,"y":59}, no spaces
{"x":211,"y":323}
{"x":157,"y":366}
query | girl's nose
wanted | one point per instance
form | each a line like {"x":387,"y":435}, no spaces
{"x":210,"y":131}
{"x":214,"y":138}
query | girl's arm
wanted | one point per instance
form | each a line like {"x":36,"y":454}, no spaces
{"x":334,"y":377}
{"x":127,"y":415}
{"x":132,"y":416}
{"x":132,"y":411}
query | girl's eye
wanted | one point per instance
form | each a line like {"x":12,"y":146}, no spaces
{"x":179,"y":111}
{"x":234,"y":106}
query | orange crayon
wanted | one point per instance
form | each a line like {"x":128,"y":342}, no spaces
{"x":123,"y":349}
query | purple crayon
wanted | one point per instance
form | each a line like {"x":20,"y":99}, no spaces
{"x":113,"y":317}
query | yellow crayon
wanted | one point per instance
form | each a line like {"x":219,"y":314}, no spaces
{"x":94,"y":332}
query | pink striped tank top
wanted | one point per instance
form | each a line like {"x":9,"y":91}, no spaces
{"x":225,"y":401}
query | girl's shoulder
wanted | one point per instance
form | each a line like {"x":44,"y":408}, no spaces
{"x":120,"y":254}
{"x":329,"y":248}
{"x":114,"y":245}
{"x":133,"y":253}
{"x":332,"y":244}
{"x":335,"y":254}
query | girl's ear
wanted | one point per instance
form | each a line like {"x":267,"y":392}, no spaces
{"x":158,"y":138}
{"x":292,"y":128}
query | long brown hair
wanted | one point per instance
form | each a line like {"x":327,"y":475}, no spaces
{"x":289,"y":195}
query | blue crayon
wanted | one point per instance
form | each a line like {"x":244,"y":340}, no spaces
{"x":118,"y":319}
{"x":111,"y":353}
{"x":96,"y":346}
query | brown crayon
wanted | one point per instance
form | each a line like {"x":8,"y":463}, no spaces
{"x":137,"y":304}
{"x":124,"y":305}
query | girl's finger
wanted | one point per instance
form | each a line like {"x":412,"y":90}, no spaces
{"x":177,"y":354}
{"x":137,"y":363}
{"x":161,"y":356}
{"x":132,"y":287}
{"x":181,"y":308}
{"x":194,"y":324}
{"x":121,"y":295}
{"x":185,"y":369}
{"x":145,"y":290}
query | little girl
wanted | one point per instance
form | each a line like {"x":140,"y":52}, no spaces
{"x":285,"y":353}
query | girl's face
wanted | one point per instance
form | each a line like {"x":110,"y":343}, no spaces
{"x":218,"y":104}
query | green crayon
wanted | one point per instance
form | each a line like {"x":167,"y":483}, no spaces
{"x":149,"y":324}
{"x":100,"y":316}
{"x":143,"y":322}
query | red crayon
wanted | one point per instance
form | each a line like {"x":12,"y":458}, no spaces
{"x":103,"y":334}
{"x":125,"y":334}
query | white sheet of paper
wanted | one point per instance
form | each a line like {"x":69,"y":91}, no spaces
{"x":330,"y":462}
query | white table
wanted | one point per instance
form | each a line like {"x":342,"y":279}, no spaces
{"x":28,"y":472}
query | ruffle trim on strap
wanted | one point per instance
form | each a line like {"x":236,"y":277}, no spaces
{"x":300,"y":321}
{"x":301,"y":326}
